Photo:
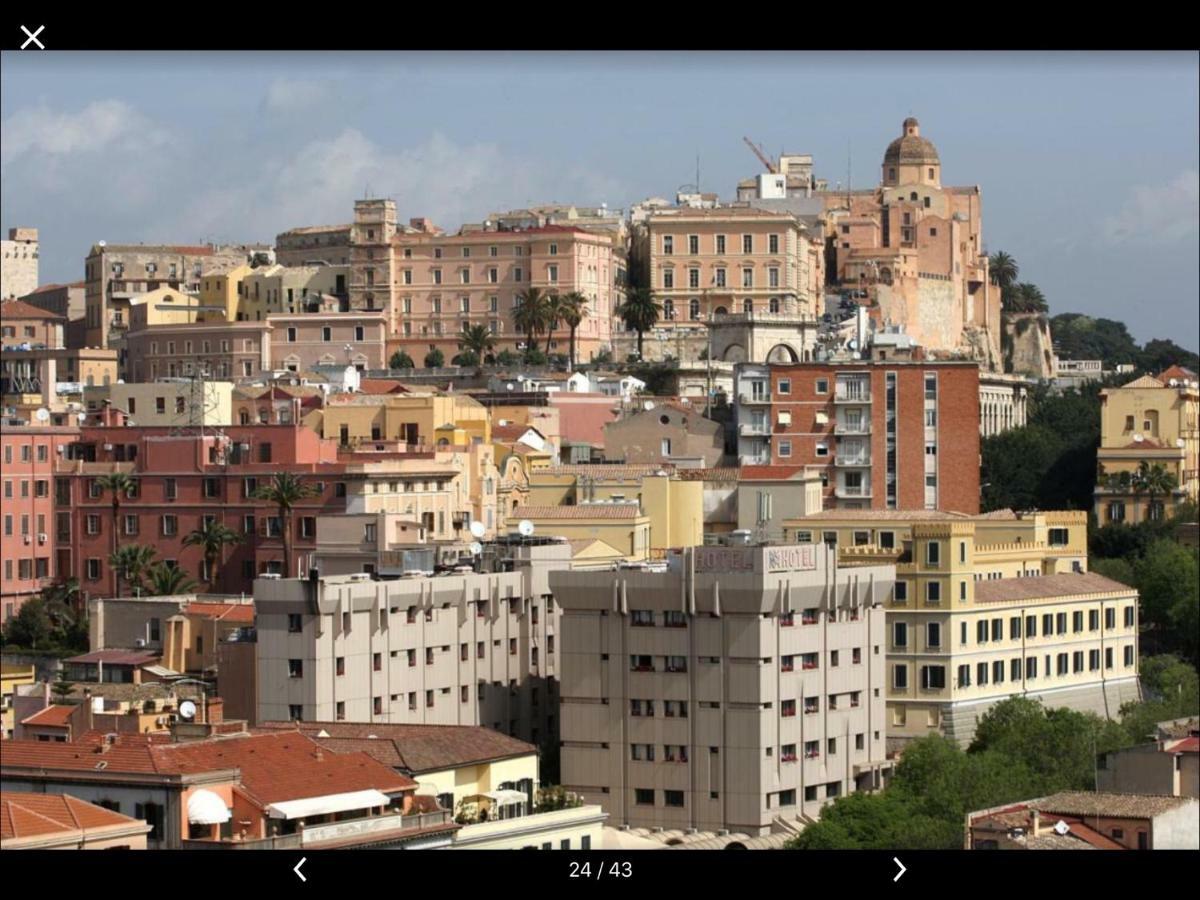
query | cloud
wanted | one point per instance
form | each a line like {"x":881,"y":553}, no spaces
{"x":286,"y":95}
{"x":54,"y":136}
{"x":1168,"y":213}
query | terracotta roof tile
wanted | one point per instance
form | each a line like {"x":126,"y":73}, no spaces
{"x":717,"y":473}
{"x":1007,"y":590}
{"x":116,"y":657}
{"x":415,"y":748}
{"x":54,"y":715}
{"x":605,"y":471}
{"x":583,"y":511}
{"x":241,"y":613}
{"x":511,"y":432}
{"x":887,"y":515}
{"x":25,"y":815}
{"x":380,"y":386}
{"x":771,"y":473}
{"x":19,"y":309}
{"x":1132,"y":806}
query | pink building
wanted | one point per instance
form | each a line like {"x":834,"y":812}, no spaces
{"x":301,"y":341}
{"x":29,"y":547}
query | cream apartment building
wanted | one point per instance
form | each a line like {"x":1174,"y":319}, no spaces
{"x":432,"y":284}
{"x":728,"y":687}
{"x":989,"y":607}
{"x":457,"y":649}
{"x":730,"y":267}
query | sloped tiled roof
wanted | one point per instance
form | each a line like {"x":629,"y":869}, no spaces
{"x":1066,"y":585}
{"x":24,"y":815}
{"x":55,"y":715}
{"x":511,"y":432}
{"x":415,"y":748}
{"x":1132,"y":806}
{"x":380,"y":386}
{"x":19,"y":309}
{"x":1145,"y":381}
{"x":603,"y":471}
{"x":240,"y":613}
{"x":116,"y":657}
{"x":585,"y":511}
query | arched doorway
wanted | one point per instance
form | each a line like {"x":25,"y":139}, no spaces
{"x":734,"y":353}
{"x":782,"y":353}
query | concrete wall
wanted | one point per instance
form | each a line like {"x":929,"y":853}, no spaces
{"x":1178,"y":829}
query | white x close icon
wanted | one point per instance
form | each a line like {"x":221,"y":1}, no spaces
{"x":33,"y":37}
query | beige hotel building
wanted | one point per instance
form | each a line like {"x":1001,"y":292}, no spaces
{"x":987,"y":607}
{"x":727,"y":687}
{"x":456,"y":649}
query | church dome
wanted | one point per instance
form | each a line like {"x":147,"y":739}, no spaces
{"x":910,"y":148}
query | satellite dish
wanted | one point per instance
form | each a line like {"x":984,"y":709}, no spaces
{"x":102,"y":243}
{"x":42,"y":415}
{"x":187,"y":710}
{"x":1179,"y":442}
{"x":476,"y":548}
{"x":120,"y":381}
{"x":525,"y":528}
{"x":1138,"y":438}
{"x":477,"y":529}
{"x":82,"y":417}
{"x":1061,"y":828}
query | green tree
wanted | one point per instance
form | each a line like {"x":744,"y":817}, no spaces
{"x":286,"y":490}
{"x":31,"y":627}
{"x":1171,"y":690}
{"x":131,"y":562}
{"x":401,"y":360}
{"x":166,"y":581}
{"x":1158,"y":355}
{"x":553,"y":316}
{"x":1168,"y":579}
{"x":212,"y":537}
{"x":640,"y":312}
{"x":1003,"y":269}
{"x":1117,"y":569}
{"x":476,"y":340}
{"x":62,"y":691}
{"x":534,"y":357}
{"x":117,"y":484}
{"x":530,"y":315}
{"x":573,"y":309}
{"x":1077,"y":336}
{"x":507,"y":358}
{"x":435,"y":359}
{"x":1153,"y":480}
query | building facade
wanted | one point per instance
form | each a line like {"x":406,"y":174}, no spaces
{"x":20,"y":271}
{"x":324,"y":244}
{"x":1155,"y":421}
{"x":473,"y":648}
{"x":727,"y":688}
{"x":887,"y":435}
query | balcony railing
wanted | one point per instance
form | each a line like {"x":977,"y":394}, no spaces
{"x":860,"y":427}
{"x":842,"y":396}
{"x":755,"y":398}
{"x":853,"y":460}
{"x":852,"y":492}
{"x":755,"y":429}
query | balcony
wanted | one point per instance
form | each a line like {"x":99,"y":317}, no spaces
{"x":851,"y":396}
{"x":852,"y":493}
{"x":754,"y":459}
{"x":755,"y":399}
{"x":853,"y":460}
{"x":860,"y":427}
{"x":754,"y":429}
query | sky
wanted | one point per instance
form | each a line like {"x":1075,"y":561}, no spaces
{"x":1089,"y":163}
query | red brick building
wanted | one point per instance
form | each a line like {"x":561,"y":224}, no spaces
{"x":181,"y":479}
{"x":882,"y":434}
{"x":28,"y":542}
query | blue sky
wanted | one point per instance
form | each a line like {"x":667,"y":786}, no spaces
{"x":1088,"y":162}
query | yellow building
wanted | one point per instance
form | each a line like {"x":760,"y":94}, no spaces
{"x":414,"y":418}
{"x":673,"y":507}
{"x":165,"y":306}
{"x":987,"y":607}
{"x":287,"y":289}
{"x":1151,"y":420}
{"x":167,"y":404}
{"x":620,"y":524}
{"x":12,"y":677}
{"x":220,"y":293}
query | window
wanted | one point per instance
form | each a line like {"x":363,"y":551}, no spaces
{"x":641,"y":752}
{"x":833,"y":659}
{"x":1129,"y":616}
{"x":933,"y":635}
{"x":1031,"y":668}
{"x":295,"y":668}
{"x":812,"y":749}
{"x":933,"y":678}
{"x":899,"y":634}
{"x":340,"y":665}
{"x":643,"y":797}
{"x":1128,"y":656}
{"x":295,"y":623}
{"x":787,"y":708}
{"x":641,"y":664}
{"x":933,"y":592}
{"x":901,"y":595}
{"x":747,"y":243}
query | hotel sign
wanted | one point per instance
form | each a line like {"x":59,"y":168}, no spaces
{"x":800,"y":557}
{"x":726,"y":559}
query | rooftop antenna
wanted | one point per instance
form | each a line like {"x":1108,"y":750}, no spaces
{"x":848,"y":157}
{"x":697,"y":173}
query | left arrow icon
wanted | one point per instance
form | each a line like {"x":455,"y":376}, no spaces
{"x":303,"y":860}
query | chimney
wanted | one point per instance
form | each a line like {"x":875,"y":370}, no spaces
{"x":318,"y":755}
{"x":216,"y":711}
{"x":45,"y":693}
{"x":87,"y":702}
{"x":1036,"y":823}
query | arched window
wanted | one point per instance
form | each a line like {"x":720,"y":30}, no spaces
{"x":913,"y":196}
{"x":694,"y":309}
{"x":720,"y":311}
{"x":748,"y":305}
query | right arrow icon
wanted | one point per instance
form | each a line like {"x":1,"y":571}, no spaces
{"x":896,"y":860}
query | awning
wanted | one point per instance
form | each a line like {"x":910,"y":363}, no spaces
{"x":331,"y":803}
{"x":504,"y":798}
{"x":206,"y":808}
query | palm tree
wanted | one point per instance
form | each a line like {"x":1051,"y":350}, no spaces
{"x":1153,"y":480}
{"x":61,"y":602}
{"x":285,"y":490}
{"x":553,"y":315}
{"x":166,"y":580}
{"x":640,"y":311}
{"x":573,"y":310}
{"x":529,"y":316}
{"x":116,"y":483}
{"x":1003,"y":269}
{"x":476,"y":339}
{"x":212,"y":536}
{"x":131,"y":562}
{"x":1024,"y":297}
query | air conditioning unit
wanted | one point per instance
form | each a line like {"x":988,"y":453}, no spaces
{"x":140,"y":642}
{"x":273,"y":576}
{"x":108,"y":446}
{"x":42,"y":537}
{"x":28,"y":539}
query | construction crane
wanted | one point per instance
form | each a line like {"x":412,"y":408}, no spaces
{"x":762,"y":157}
